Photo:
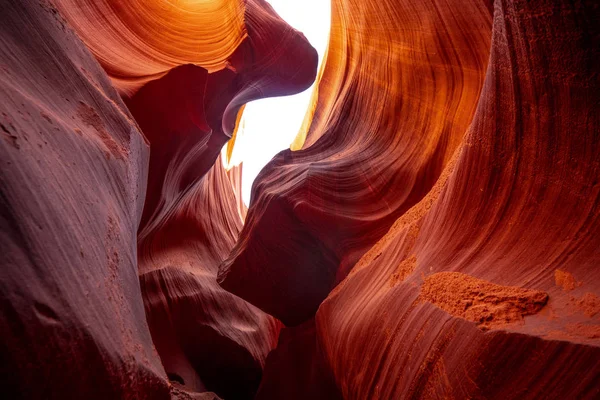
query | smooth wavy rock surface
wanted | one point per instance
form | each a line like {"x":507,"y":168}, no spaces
{"x":72,"y":183}
{"x":474,"y":292}
{"x":140,"y":40}
{"x":435,"y":235}
{"x":398,"y":92}
{"x":207,"y":337}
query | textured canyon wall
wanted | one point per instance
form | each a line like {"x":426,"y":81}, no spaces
{"x":72,"y":183}
{"x":489,"y":286}
{"x":186,"y":105}
{"x":207,"y":338}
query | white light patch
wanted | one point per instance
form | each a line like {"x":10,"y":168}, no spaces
{"x":270,"y":125}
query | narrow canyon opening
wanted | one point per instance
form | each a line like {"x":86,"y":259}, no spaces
{"x":270,"y":125}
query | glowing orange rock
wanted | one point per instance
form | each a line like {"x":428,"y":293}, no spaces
{"x":398,"y":92}
{"x":518,"y":204}
{"x":137,"y":41}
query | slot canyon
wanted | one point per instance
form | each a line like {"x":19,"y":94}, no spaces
{"x":432,"y":231}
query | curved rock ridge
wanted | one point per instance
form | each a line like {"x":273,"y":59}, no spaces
{"x":140,"y":40}
{"x":234,"y":173}
{"x":72,"y":183}
{"x":397,"y":94}
{"x":519,"y":203}
{"x":189,"y":114}
{"x":208,"y":338}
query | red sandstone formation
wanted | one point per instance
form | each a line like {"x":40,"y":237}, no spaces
{"x":395,"y":99}
{"x":138,"y":41}
{"x":519,"y":204}
{"x":72,"y":182}
{"x":207,"y":337}
{"x":435,"y":235}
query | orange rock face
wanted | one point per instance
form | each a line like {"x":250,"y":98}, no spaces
{"x":138,"y":41}
{"x":370,"y":154}
{"x":510,"y":230}
{"x":436,"y":233}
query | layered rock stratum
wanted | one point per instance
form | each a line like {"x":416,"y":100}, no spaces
{"x":433,"y":232}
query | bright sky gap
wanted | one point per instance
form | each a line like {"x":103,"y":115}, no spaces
{"x":270,"y":125}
